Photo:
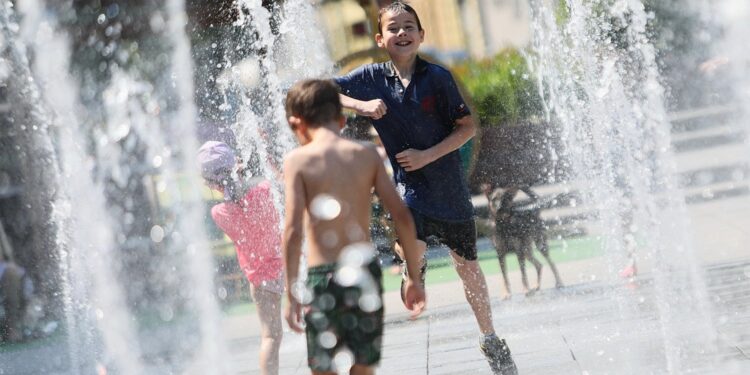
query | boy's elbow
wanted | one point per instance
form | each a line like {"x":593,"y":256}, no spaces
{"x":468,"y":127}
{"x":471,"y":129}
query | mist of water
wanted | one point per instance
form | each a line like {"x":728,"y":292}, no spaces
{"x":598,"y":73}
{"x":99,"y":297}
{"x":90,"y":260}
{"x":283,"y":54}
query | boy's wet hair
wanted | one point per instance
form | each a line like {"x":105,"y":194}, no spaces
{"x":314,"y":100}
{"x":397,"y":7}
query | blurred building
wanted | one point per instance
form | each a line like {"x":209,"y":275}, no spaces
{"x":454,"y":29}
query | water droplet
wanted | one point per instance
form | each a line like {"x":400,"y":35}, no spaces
{"x":325,"y":207}
{"x":326,"y":302}
{"x":222,"y":293}
{"x":600,"y":353}
{"x":357,"y":255}
{"x":301,"y":293}
{"x":327,"y":340}
{"x":157,"y":233}
{"x":101,"y":19}
{"x":99,"y":314}
{"x":166,"y":313}
{"x":329,"y":239}
{"x":348,"y":275}
{"x":157,"y":161}
{"x":343,"y":361}
{"x":370,"y":303}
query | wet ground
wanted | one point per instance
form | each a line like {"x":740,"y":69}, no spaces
{"x":582,"y":329}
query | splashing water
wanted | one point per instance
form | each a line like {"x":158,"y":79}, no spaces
{"x":90,"y":251}
{"x":280,"y":55}
{"x":598,"y":74}
{"x":136,"y":115}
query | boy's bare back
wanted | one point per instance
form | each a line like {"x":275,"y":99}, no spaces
{"x":334,"y":178}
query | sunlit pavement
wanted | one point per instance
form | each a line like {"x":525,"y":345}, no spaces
{"x":581,"y":329}
{"x":578,"y":330}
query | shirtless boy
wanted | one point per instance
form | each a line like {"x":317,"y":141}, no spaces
{"x":328,"y":185}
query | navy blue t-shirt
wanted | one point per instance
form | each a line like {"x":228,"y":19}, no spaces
{"x":418,"y":116}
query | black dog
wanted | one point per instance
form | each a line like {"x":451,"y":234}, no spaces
{"x":517,"y":227}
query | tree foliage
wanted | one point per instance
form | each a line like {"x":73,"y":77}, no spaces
{"x":502,"y":88}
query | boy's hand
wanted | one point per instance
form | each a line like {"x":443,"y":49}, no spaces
{"x":374,"y":109}
{"x":412,"y":159}
{"x":294,"y":316}
{"x":414,"y":298}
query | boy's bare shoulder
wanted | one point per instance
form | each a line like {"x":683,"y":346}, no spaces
{"x":295,"y":159}
{"x":366,"y":147}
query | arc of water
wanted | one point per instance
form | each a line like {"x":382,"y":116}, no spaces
{"x":191,"y":225}
{"x":610,"y":102}
{"x":92,"y":244}
{"x":284,"y":58}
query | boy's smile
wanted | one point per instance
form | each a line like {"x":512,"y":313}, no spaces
{"x":400,"y":35}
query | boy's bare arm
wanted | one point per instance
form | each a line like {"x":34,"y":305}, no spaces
{"x":404,"y":223}
{"x":293,"y":235}
{"x":412,"y":159}
{"x":374,"y":109}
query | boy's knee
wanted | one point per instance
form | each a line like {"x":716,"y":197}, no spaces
{"x":273,"y":341}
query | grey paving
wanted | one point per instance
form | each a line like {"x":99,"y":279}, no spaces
{"x":583,"y":329}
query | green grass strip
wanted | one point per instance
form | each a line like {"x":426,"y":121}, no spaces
{"x":440,"y":270}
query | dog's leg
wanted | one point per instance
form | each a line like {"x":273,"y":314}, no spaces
{"x":543,"y":246}
{"x":502,"y":250}
{"x":528,"y":251}
{"x":522,"y":266}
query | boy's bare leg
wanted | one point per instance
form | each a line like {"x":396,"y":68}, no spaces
{"x":269,"y":312}
{"x":475,"y":289}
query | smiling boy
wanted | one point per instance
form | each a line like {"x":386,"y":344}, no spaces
{"x":422,"y":120}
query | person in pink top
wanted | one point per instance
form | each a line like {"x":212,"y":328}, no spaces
{"x":250,"y":220}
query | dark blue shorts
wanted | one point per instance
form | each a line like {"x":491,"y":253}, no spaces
{"x":459,"y":236}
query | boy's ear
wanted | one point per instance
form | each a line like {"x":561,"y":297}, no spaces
{"x":421,"y":36}
{"x":294,"y":122}
{"x":342,"y":122}
{"x":379,"y":40}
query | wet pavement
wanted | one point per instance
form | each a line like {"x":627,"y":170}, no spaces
{"x":586,"y":328}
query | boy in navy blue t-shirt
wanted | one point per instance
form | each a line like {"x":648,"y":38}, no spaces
{"x":422,"y":120}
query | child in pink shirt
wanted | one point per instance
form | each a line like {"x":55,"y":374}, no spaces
{"x":249,"y":219}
